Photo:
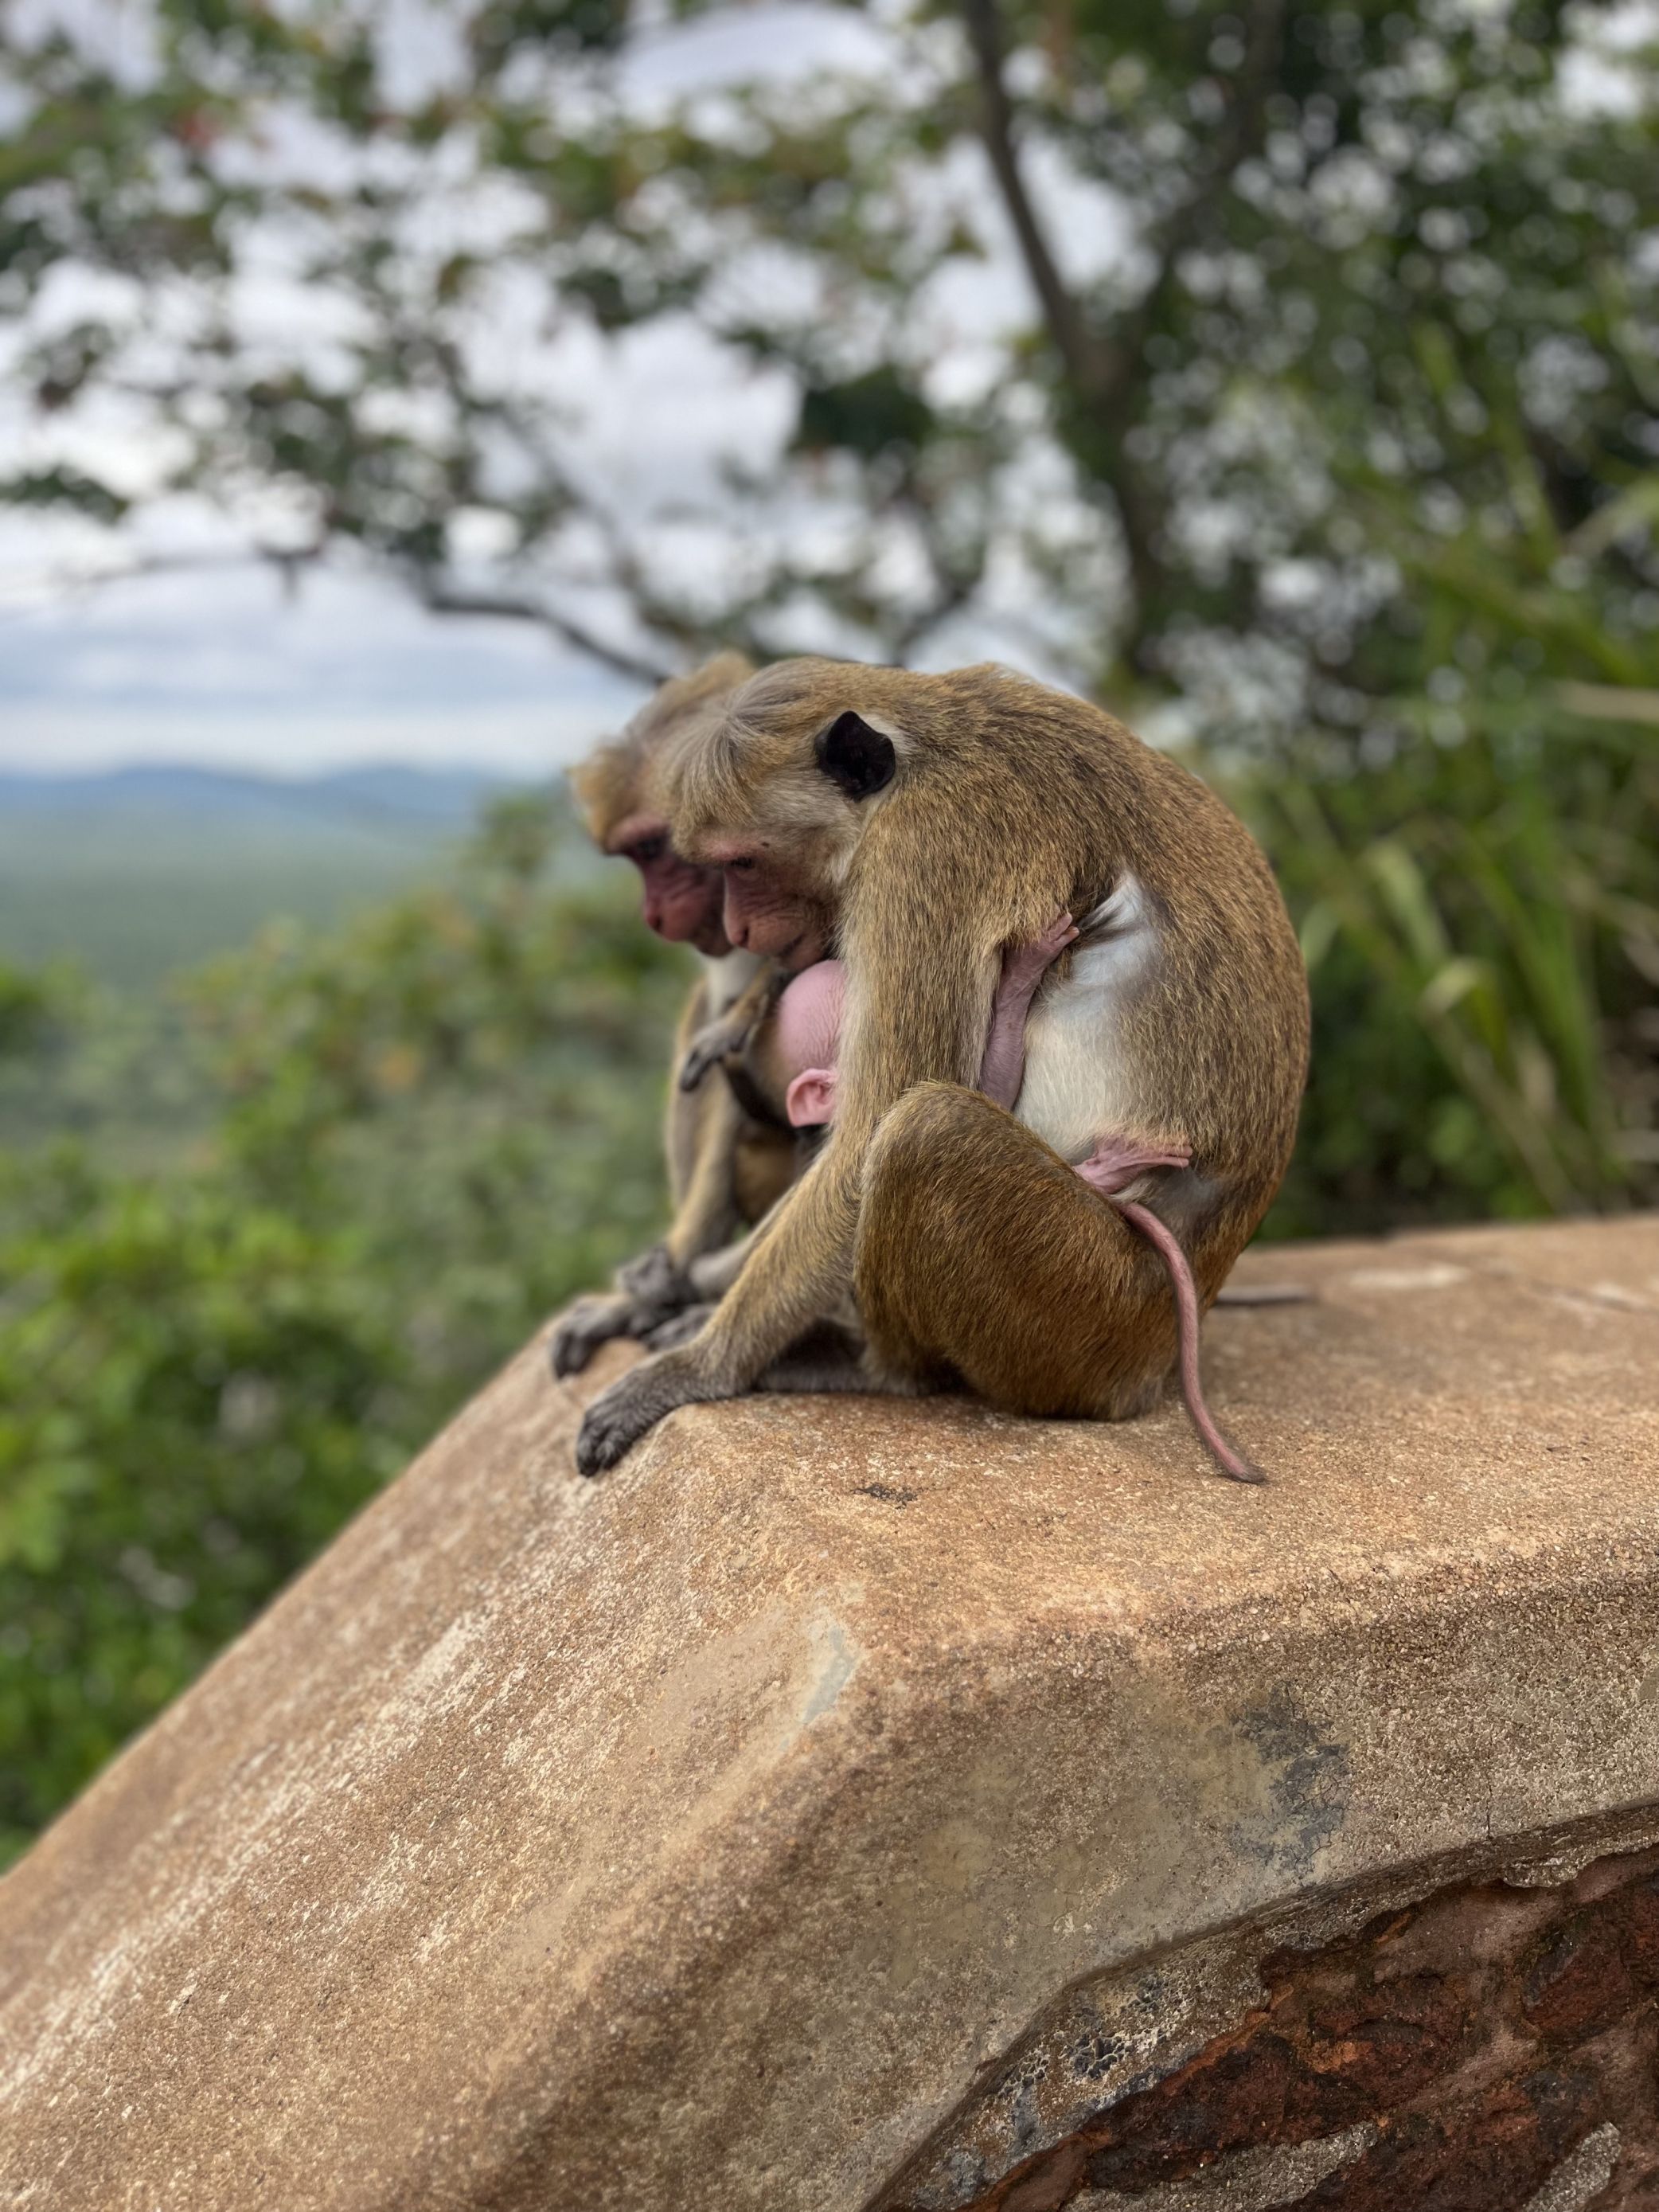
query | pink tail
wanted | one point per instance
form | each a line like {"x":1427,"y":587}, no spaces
{"x":1158,"y":1235}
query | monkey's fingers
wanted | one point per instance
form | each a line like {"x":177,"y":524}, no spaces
{"x":678,"y":1328}
{"x":653,"y":1281}
{"x":591,"y":1322}
{"x":706,"y":1049}
{"x":620,"y":1416}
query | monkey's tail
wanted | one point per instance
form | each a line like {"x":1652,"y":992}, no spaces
{"x":1166,"y":1242}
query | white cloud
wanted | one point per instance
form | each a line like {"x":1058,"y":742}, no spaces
{"x":218,"y":668}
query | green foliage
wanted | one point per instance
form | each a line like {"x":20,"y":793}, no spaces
{"x":1482,"y":931}
{"x":195,"y":1392}
{"x":30,"y":1004}
{"x":435,"y":1126}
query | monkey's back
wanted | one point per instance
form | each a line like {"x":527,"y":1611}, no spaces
{"x":1190,"y":1017}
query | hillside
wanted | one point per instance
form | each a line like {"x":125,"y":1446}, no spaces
{"x":142,"y":871}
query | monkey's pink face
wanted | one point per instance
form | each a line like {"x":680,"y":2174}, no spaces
{"x":767,"y":911}
{"x":682,"y":902}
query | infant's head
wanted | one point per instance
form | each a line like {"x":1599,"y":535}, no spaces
{"x":805,"y":1040}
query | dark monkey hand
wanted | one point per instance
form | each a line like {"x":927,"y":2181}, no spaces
{"x":615,"y":1421}
{"x":651,"y":1291}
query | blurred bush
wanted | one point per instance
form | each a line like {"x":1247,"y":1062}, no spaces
{"x":1477,"y":888}
{"x":436,"y":1125}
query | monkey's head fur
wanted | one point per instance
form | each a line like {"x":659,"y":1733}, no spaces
{"x":779,"y":790}
{"x":623,"y":816}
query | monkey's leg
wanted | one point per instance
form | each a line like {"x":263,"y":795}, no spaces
{"x":656,"y":1285}
{"x":828,"y":1357}
{"x":981,"y":1255}
{"x":682,"y":1119}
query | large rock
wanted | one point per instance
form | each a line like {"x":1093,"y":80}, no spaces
{"x":851,"y":1803}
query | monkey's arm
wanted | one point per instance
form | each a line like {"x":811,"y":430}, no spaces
{"x":682,"y":1120}
{"x":702,"y":1139}
{"x":1023,"y":967}
{"x":707,"y":1214}
{"x":732,"y":1032}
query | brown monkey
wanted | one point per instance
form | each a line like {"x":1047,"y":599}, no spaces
{"x":726,"y":1161}
{"x":929,"y":821}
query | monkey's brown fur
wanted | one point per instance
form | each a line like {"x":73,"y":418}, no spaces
{"x":725,"y":1168}
{"x":974,"y":1251}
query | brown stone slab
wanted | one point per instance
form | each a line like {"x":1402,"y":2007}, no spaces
{"x":709,"y":1836}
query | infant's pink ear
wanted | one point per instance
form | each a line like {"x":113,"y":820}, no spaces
{"x":810,"y":1101}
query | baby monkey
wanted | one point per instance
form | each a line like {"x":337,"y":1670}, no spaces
{"x":799,"y":1052}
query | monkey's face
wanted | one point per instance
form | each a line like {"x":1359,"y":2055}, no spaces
{"x":682,"y":901}
{"x":768,"y":909}
{"x":778,"y":797}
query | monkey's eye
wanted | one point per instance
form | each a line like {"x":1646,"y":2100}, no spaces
{"x":647,"y":849}
{"x":744,"y":862}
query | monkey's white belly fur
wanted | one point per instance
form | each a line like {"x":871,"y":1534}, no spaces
{"x":1080,"y":1081}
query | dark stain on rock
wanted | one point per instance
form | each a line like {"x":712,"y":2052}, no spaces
{"x":1307,"y":1785}
{"x":1485,"y":2155}
{"x":888,"y":1493}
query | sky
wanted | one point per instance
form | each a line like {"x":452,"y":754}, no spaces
{"x":222,"y":670}
{"x":214,"y":664}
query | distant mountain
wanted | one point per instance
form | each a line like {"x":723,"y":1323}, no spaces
{"x":395,"y":799}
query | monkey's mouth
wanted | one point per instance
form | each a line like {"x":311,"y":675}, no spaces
{"x":804,"y":952}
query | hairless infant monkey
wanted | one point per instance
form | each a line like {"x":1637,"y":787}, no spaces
{"x":806,"y":1040}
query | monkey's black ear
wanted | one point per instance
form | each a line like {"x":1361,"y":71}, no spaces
{"x":857,"y":759}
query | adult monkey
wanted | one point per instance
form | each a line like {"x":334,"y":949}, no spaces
{"x":926,"y":821}
{"x":727,"y":1161}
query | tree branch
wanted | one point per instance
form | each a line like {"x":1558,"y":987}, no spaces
{"x":437,"y":599}
{"x":446,"y":599}
{"x":1240,"y":136}
{"x":1090,"y":362}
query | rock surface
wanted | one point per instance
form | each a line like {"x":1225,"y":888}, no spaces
{"x":851,"y":1803}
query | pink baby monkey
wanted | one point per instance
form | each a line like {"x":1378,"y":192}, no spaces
{"x":805,"y":1039}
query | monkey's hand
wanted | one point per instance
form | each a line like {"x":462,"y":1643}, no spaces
{"x":651,"y":1291}
{"x":589,"y":1323}
{"x":678,"y":1328}
{"x":730,"y":1033}
{"x":706,"y":1049}
{"x":654,"y":1280}
{"x":621,"y":1416}
{"x":1024,"y":966}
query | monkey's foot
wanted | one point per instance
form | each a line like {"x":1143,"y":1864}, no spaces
{"x":1116,"y":1162}
{"x":652,"y":1291}
{"x":1030,"y":963}
{"x":621,"y":1415}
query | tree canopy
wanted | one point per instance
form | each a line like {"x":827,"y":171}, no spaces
{"x":1176,"y":345}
